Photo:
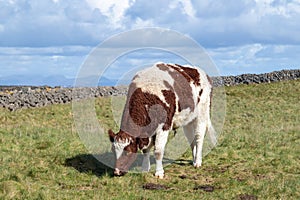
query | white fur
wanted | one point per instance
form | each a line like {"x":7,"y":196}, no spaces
{"x":119,"y":147}
{"x":159,"y":148}
{"x":154,"y":78}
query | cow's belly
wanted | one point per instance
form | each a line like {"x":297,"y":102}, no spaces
{"x":183,"y":118}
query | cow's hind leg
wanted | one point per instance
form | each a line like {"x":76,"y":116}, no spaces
{"x":159,"y":148}
{"x":190,"y":135}
{"x":200,"y":129}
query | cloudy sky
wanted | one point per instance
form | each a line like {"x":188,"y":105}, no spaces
{"x":54,"y":37}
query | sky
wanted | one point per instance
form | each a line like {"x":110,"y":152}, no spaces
{"x":55,"y":37}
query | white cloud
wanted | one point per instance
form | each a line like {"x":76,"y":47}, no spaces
{"x":186,"y":7}
{"x":255,"y":58}
{"x":240,"y":35}
{"x":213,"y":23}
{"x":139,"y":23}
{"x":48,"y":23}
{"x":114,"y":9}
{"x":271,"y":7}
{"x":64,"y":60}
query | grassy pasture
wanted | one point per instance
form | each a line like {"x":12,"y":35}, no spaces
{"x":42,"y":157}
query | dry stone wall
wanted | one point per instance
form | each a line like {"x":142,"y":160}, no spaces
{"x":257,"y":78}
{"x":16,"y":97}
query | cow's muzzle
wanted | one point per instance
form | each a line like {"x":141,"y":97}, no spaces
{"x":118,"y":172}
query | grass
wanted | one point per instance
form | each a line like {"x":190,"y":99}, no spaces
{"x":258,"y":154}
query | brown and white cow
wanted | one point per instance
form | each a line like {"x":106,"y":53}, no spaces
{"x":161,"y":98}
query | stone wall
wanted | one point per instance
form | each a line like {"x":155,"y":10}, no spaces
{"x":257,"y":78}
{"x":16,"y":97}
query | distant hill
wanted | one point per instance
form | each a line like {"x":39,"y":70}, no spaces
{"x":60,"y":80}
{"x":53,"y":80}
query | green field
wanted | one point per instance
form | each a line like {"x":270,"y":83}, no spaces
{"x":258,"y":155}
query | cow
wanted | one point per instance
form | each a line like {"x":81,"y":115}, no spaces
{"x":162,"y":98}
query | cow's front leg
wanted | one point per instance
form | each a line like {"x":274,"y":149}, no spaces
{"x":146,"y":160}
{"x":160,"y":143}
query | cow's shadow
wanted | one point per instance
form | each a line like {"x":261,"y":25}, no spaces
{"x":90,"y":164}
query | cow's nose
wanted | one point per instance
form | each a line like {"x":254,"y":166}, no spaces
{"x":117,"y":172}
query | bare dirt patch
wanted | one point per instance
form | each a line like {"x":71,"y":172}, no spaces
{"x":247,"y":197}
{"x":153,"y":186}
{"x":206,"y":188}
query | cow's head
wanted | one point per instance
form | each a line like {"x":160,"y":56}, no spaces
{"x":125,"y":147}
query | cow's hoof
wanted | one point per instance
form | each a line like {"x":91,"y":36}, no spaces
{"x":197,"y":165}
{"x":161,"y":176}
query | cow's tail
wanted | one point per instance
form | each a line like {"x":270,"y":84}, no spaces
{"x":210,"y":129}
{"x":212,"y":134}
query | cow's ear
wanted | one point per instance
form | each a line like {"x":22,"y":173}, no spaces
{"x":111,"y":135}
{"x":143,"y":142}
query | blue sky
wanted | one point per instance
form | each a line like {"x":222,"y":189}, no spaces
{"x":54,"y":37}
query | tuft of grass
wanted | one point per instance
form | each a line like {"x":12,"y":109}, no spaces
{"x":42,"y":156}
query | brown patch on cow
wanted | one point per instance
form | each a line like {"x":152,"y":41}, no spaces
{"x":132,"y":120}
{"x":171,"y":100}
{"x":181,"y":71}
{"x":142,"y":102}
{"x":143,"y":142}
{"x":181,"y":86}
{"x":192,"y":72}
{"x":200,"y":93}
{"x":139,"y":105}
{"x":162,"y":66}
{"x":132,"y":147}
{"x":178,"y":107}
{"x":145,"y":111}
{"x":121,"y":136}
{"x":111,"y":135}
